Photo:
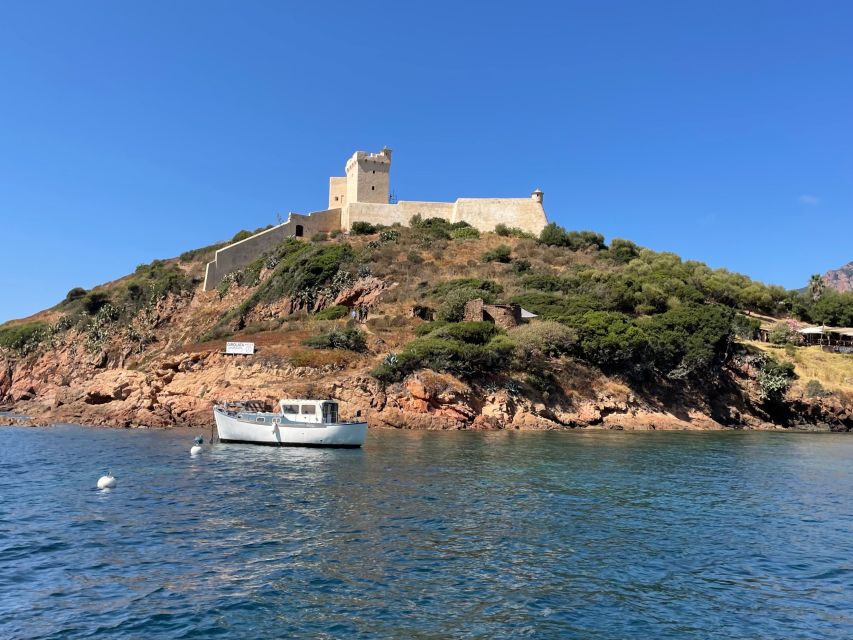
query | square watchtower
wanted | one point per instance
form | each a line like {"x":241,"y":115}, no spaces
{"x":368,"y":177}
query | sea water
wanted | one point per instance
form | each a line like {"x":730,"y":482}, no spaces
{"x":427,"y":535}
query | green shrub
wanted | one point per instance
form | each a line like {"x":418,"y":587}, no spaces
{"x":689,"y":340}
{"x":814,"y":389}
{"x":333,"y":313}
{"x":428,"y":327}
{"x":24,"y":338}
{"x":622,"y":251}
{"x":470,"y":332}
{"x":512,"y":232}
{"x":436,"y":227}
{"x":555,"y":235}
{"x":350,"y":339}
{"x":320,"y":236}
{"x":489,"y":287}
{"x":611,"y":340}
{"x":75,"y":294}
{"x":451,"y":356}
{"x":502,"y":253}
{"x":464,"y":233}
{"x":543,"y":339}
{"x":363,"y":229}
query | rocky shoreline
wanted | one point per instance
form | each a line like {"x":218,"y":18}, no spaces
{"x":63,"y":386}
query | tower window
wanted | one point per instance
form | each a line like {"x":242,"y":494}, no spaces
{"x":372,"y":188}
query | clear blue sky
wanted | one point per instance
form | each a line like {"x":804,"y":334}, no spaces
{"x":129,"y":131}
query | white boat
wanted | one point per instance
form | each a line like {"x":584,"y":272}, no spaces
{"x":298,"y":423}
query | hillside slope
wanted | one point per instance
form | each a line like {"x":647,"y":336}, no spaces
{"x":625,"y":338}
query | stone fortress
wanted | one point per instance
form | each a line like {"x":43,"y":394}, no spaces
{"x":363,"y":195}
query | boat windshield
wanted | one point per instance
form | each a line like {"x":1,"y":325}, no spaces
{"x":330,"y":412}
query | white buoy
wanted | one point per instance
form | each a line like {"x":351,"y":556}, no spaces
{"x":107,"y":481}
{"x":195,"y":449}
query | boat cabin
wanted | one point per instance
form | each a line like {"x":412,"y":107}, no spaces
{"x":319,"y":411}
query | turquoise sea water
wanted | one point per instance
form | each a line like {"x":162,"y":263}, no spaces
{"x":427,"y":535}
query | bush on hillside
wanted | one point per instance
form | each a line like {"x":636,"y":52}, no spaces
{"x":543,"y":339}
{"x":24,"y":338}
{"x":502,"y":253}
{"x":447,"y":355}
{"x":436,"y":227}
{"x":333,"y":313}
{"x":622,"y":251}
{"x":75,"y":294}
{"x":512,"y":232}
{"x":363,"y":229}
{"x":555,"y":235}
{"x":349,"y":338}
{"x":690,"y":340}
{"x":464,"y":233}
{"x":489,"y":287}
{"x":470,"y":332}
{"x":320,"y":236}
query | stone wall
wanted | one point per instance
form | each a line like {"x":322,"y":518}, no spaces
{"x":486,"y":213}
{"x":238,"y":255}
{"x":482,"y":213}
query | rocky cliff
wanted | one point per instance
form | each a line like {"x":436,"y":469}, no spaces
{"x":840,"y":279}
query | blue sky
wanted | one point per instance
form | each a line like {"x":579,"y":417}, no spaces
{"x":129,"y":131}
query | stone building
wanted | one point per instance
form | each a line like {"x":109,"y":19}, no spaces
{"x":363,"y":195}
{"x":505,"y":316}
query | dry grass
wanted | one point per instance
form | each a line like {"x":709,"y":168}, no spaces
{"x":833,"y":370}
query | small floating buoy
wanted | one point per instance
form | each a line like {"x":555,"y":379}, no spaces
{"x":195,"y":449}
{"x":107,"y":481}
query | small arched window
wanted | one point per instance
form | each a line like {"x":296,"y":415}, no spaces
{"x":299,"y":231}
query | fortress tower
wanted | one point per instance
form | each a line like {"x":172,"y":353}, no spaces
{"x":367,"y":180}
{"x":362,"y":196}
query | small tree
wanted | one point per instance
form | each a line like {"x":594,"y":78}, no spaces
{"x":553,"y":235}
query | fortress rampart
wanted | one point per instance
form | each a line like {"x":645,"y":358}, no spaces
{"x":363,"y":195}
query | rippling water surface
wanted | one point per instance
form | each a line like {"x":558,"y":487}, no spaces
{"x":427,"y":535}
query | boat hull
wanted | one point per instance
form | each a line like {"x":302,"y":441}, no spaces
{"x":234,"y":430}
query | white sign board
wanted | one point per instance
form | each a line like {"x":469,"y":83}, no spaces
{"x":245,"y":348}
